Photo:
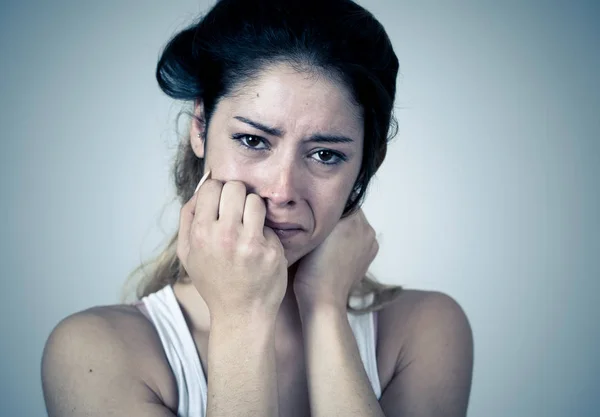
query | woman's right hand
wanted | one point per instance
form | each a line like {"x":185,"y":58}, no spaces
{"x":236,"y":263}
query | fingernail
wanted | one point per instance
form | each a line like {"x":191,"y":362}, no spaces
{"x":204,"y":177}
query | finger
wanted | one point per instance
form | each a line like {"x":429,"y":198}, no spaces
{"x":272,"y":238}
{"x":255,"y":212}
{"x":186,"y":216}
{"x":195,"y":195}
{"x":231,"y":205}
{"x":204,"y":178}
{"x":207,"y":201}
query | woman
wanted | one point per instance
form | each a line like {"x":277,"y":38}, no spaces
{"x":247,"y":310}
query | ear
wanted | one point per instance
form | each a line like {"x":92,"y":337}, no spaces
{"x":198,"y":129}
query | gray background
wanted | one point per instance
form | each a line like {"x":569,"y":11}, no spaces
{"x":489,"y":192}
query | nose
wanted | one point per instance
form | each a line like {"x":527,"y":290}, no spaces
{"x":281,"y":188}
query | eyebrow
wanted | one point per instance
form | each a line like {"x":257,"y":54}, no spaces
{"x":273,"y":131}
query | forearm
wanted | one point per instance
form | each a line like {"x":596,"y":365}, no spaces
{"x":241,"y":369}
{"x":337,"y":381}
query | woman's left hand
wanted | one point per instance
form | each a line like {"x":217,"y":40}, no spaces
{"x":326,"y":275}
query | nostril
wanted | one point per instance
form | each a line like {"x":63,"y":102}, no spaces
{"x":280,"y":202}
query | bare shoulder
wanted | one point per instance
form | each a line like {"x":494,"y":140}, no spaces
{"x":418,"y":311}
{"x":423,"y":324}
{"x":106,"y":360}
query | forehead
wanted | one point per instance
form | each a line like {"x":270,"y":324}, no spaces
{"x":299,"y":103}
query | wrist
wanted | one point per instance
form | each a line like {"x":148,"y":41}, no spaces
{"x":323,"y":300}
{"x":321,"y":310}
{"x":311,"y":299}
{"x":251,"y":320}
{"x":251,"y":333}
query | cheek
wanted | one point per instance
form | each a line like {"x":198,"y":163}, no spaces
{"x":227,"y":164}
{"x":328,"y":202}
{"x":237,"y":169}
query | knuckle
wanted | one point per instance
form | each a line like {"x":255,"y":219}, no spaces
{"x":198,"y":235}
{"x":271,"y":253}
{"x":228,"y":241}
{"x":213,"y":182}
{"x":248,"y":248}
{"x":228,"y":235}
{"x":237,"y":186}
{"x":254,"y":199}
{"x":211,"y":185}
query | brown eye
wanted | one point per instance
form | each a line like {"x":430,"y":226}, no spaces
{"x":252,"y":141}
{"x":256,"y":143}
{"x":325,"y":155}
{"x":328,"y":157}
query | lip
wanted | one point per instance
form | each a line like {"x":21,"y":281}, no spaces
{"x":286,"y":234}
{"x":283,"y":225}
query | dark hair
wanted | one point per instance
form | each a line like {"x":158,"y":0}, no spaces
{"x":229,"y":47}
{"x":238,"y":38}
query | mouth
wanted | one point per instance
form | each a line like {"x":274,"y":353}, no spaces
{"x":287,"y":233}
{"x":285,"y":230}
{"x":283,"y":226}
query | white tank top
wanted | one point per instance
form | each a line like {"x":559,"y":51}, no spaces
{"x":163,"y":310}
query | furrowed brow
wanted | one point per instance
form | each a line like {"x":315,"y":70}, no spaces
{"x":329,"y":139}
{"x":273,"y":131}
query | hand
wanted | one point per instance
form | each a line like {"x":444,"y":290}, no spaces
{"x":326,"y":275}
{"x":236,"y":263}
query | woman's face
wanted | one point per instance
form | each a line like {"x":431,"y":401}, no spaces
{"x":294,"y":139}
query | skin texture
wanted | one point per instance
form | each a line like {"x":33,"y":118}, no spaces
{"x":295,"y":186}
{"x":277,"y":313}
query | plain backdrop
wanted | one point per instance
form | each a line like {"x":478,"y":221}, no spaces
{"x":489,"y":192}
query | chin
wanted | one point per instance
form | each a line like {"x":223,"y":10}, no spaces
{"x":292,"y":257}
{"x":296,"y":249}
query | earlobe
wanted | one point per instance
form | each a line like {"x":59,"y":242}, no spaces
{"x":197,"y":142}
{"x":197,"y":130}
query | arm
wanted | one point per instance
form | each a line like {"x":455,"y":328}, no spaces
{"x":241,"y":368}
{"x":432,"y":376}
{"x":239,"y":268}
{"x":92,"y":366}
{"x":337,"y":382}
{"x":87,"y":370}
{"x":433,"y":340}
{"x":434,"y":365}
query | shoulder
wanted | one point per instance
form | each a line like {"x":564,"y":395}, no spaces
{"x":117,"y":330}
{"x":423,"y":325}
{"x":418,"y":311}
{"x":421,"y":312}
{"x":115,"y":344}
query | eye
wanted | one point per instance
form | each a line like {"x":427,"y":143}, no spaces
{"x":328,"y":157}
{"x":250,"y":141}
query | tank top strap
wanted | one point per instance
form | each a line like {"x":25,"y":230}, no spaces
{"x":363,"y":327}
{"x":165,"y":313}
{"x":163,"y":310}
